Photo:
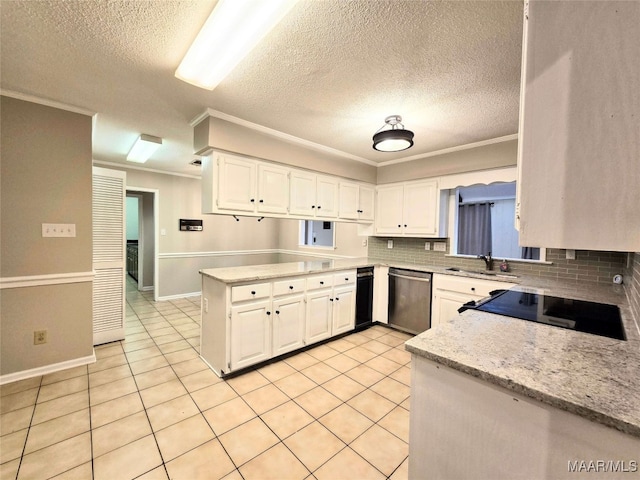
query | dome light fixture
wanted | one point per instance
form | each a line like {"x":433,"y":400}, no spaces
{"x":395,"y":139}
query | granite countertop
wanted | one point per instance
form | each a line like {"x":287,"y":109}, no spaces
{"x":592,"y":376}
{"x":251,"y":273}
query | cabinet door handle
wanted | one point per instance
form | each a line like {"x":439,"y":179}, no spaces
{"x":253,"y":292}
{"x":319,"y":207}
{"x":337,"y":298}
{"x":313,"y":206}
{"x":261,"y":201}
{"x":252,"y":200}
{"x":473,"y":289}
{"x":290,"y":287}
{"x":268,"y":313}
{"x":360,"y":211}
{"x":346,"y":279}
{"x":277,"y":312}
{"x":321,"y":283}
{"x":399,"y":226}
{"x":405,"y":225}
{"x":331,"y":299}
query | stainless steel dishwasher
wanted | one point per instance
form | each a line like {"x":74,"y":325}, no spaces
{"x":409,"y":300}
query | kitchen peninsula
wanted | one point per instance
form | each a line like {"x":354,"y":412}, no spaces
{"x":517,"y":399}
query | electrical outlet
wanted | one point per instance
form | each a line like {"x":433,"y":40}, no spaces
{"x":364,"y":242}
{"x":439,"y":246}
{"x":206,"y":305}
{"x":39,"y":337}
{"x":427,"y":245}
{"x":571,"y":255}
{"x":389,"y":243}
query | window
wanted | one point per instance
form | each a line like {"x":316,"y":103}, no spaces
{"x":315,"y":233}
{"x":484,"y":218}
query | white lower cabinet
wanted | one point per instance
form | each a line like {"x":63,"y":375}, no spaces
{"x":288,"y":323}
{"x":250,"y":333}
{"x":318,"y":316}
{"x":245,"y":324}
{"x":451,"y":292}
{"x":344,"y":309}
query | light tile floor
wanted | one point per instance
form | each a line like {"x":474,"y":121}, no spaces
{"x":150,"y":408}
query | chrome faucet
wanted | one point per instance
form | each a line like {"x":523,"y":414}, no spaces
{"x":487,"y":260}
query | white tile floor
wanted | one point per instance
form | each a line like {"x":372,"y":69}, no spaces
{"x":150,"y":408}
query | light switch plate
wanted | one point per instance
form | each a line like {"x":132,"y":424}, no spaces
{"x":59,"y":230}
{"x":389,"y":243}
{"x":427,"y":245}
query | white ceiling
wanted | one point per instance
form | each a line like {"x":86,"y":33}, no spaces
{"x":329,"y":73}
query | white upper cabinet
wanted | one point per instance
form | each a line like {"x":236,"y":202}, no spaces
{"x":356,"y":201}
{"x":273,"y":189}
{"x":579,"y":148}
{"x":236,"y":183}
{"x":408,"y":209}
{"x":313,"y":195}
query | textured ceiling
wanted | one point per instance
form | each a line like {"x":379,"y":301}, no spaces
{"x":329,"y":73}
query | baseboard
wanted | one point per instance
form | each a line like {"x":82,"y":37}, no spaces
{"x":44,"y":370}
{"x":178,"y":296}
{"x":147,"y":289}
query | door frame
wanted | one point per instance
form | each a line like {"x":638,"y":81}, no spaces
{"x":156,"y":234}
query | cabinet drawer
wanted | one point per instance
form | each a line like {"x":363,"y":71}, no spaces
{"x":250,"y":292}
{"x":319,"y":281}
{"x":344,"y":278}
{"x":283,"y":287}
{"x":473,"y":286}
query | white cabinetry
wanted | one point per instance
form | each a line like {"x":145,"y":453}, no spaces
{"x":579,"y":146}
{"x":248,"y":323}
{"x":273,"y":189}
{"x":288,"y":323}
{"x":409,"y":209}
{"x":356,"y":201}
{"x":250,"y":333}
{"x":313,"y":195}
{"x":451,"y":292}
{"x":236,"y":183}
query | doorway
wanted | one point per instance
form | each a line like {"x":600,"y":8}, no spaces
{"x":142,"y":237}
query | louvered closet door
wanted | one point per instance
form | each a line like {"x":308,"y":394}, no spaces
{"x":109,"y":260}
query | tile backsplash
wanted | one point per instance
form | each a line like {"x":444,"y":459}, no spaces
{"x":588,"y":266}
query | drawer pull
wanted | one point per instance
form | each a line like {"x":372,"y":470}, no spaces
{"x":253,"y":292}
{"x":290,"y":287}
{"x":331,"y":299}
{"x":321,"y":283}
{"x":337,"y":298}
{"x":473,"y":289}
{"x":346,"y":279}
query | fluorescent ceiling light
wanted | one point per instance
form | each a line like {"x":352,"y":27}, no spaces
{"x":232,"y":30}
{"x":143,"y":148}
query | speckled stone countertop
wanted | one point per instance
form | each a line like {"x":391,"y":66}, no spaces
{"x":592,"y":376}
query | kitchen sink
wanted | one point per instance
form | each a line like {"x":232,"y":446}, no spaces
{"x":482,"y":272}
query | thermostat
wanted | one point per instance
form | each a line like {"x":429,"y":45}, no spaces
{"x":187,"y":225}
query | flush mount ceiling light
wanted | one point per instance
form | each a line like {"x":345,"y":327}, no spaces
{"x":232,"y":30}
{"x":395,"y":139}
{"x":143,"y":148}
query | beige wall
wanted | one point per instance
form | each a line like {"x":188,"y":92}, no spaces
{"x":45,"y":178}
{"x":496,"y":155}
{"x":222,"y":135}
{"x":180,"y":197}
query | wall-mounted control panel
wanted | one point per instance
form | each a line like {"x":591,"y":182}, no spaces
{"x":187,"y":225}
{"x":58,"y":229}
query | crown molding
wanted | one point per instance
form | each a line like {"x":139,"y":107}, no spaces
{"x":459,"y":148}
{"x":209,"y":112}
{"x":47,"y":103}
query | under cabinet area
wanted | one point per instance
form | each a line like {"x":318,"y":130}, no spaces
{"x":451,"y":292}
{"x":247,"y":323}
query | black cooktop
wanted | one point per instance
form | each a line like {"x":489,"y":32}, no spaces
{"x":579,"y":315}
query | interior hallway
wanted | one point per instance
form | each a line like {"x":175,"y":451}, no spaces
{"x":150,"y":408}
